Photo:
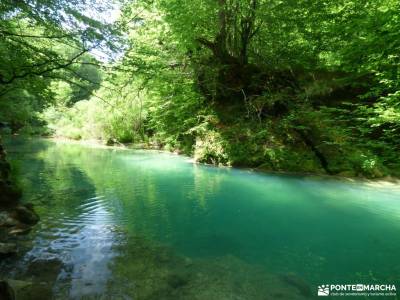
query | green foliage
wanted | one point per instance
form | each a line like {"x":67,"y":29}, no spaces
{"x":43,"y":43}
{"x":303,"y":86}
{"x":117,"y":118}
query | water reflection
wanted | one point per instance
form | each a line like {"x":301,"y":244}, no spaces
{"x":91,"y":257}
{"x":83,"y":245}
{"x":72,"y":245}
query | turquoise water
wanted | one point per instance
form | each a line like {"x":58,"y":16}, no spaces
{"x":130,"y":224}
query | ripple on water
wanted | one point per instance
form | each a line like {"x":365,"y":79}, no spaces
{"x":84,"y":244}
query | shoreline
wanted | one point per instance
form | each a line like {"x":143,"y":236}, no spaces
{"x":387,"y":180}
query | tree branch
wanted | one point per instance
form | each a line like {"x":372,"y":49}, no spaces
{"x":3,"y":32}
{"x":42,"y":72}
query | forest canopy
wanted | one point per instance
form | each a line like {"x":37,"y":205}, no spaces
{"x":299,"y":86}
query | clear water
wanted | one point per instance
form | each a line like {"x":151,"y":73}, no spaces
{"x":129,"y":224}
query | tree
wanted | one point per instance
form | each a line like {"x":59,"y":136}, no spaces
{"x":42,"y":41}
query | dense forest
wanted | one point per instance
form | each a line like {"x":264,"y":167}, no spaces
{"x":305,"y":86}
{"x":291,"y":88}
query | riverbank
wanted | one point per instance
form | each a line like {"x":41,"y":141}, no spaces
{"x":382,"y":181}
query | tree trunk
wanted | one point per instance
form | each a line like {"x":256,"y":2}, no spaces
{"x":321,"y":157}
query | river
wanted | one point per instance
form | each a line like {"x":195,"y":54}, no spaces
{"x":135,"y":224}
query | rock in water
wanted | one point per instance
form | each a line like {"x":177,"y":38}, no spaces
{"x":6,"y":292}
{"x":25,"y":214}
{"x":7,"y":249}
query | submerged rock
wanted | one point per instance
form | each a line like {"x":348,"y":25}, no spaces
{"x":147,"y":271}
{"x":298,"y":282}
{"x":188,"y":262}
{"x":45,"y":269}
{"x":177,"y":280}
{"x":26,"y":290}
